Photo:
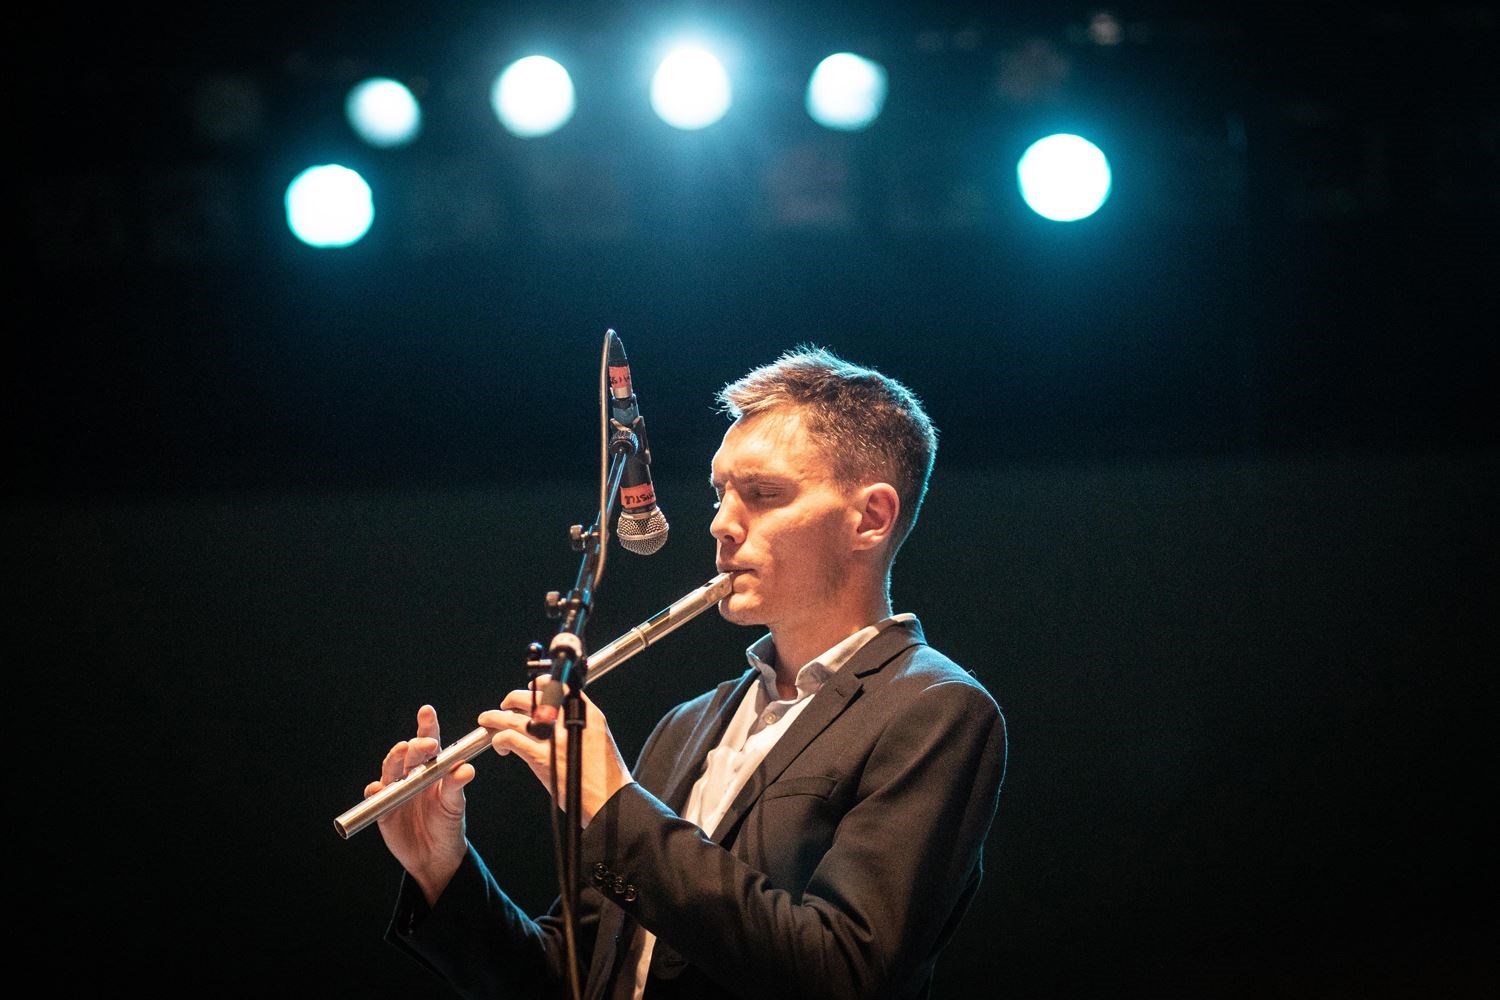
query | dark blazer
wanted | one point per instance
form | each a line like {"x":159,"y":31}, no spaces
{"x":841,"y":869}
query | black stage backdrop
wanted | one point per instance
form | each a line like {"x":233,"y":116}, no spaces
{"x":1212,"y":515}
{"x":1249,"y":708}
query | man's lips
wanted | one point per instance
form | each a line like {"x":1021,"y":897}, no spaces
{"x":735,"y":573}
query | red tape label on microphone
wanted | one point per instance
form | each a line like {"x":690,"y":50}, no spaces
{"x":638,"y":496}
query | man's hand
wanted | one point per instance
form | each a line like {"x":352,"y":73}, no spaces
{"x":425,"y":834}
{"x":604,"y":771}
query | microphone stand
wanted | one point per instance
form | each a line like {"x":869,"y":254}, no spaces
{"x":567,"y":663}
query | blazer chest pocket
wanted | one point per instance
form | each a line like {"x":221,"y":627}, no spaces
{"x":792,"y":828}
{"x":818,"y":785}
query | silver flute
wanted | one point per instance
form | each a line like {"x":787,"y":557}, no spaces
{"x":669,"y":619}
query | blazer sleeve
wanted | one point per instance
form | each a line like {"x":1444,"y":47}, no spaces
{"x":880,"y":902}
{"x":482,"y":943}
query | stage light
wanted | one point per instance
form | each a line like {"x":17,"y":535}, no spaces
{"x":383,"y":113}
{"x":1105,"y":29}
{"x":1064,"y":177}
{"x":533,"y":97}
{"x":690,"y":89}
{"x":846,"y":92}
{"x":329,"y":206}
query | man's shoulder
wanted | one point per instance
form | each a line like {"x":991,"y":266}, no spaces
{"x":921,"y":662}
{"x":920,"y":667}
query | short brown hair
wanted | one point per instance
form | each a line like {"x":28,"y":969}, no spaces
{"x":871,"y":427}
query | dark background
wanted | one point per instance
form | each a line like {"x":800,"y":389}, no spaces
{"x":1211,"y":516}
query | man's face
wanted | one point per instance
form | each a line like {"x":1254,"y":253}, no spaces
{"x":783,"y":525}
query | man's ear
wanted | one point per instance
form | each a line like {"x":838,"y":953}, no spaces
{"x":878,"y":505}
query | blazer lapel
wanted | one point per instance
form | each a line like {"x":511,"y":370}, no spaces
{"x":705,"y":736}
{"x":828,"y":704}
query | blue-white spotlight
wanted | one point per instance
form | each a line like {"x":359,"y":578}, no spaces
{"x":846,"y":92}
{"x":533,"y":97}
{"x":383,"y":113}
{"x":690,"y":89}
{"x":329,"y":206}
{"x":1064,"y":177}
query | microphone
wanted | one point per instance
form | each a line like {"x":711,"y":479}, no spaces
{"x":641,"y":526}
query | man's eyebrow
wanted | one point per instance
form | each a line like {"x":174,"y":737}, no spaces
{"x":748,"y":477}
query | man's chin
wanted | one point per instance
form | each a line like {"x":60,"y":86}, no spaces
{"x":737,"y":610}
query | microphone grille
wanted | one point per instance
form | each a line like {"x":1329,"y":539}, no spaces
{"x":644,"y":533}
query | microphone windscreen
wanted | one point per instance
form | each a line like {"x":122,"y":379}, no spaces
{"x":643,"y":533}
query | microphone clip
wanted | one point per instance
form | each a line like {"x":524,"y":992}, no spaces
{"x":629,"y":439}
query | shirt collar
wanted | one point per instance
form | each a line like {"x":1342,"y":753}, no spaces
{"x":813,"y":674}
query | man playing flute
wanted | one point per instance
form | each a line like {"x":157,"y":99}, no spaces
{"x":813,"y":827}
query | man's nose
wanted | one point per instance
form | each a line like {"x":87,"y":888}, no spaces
{"x":727,"y":525}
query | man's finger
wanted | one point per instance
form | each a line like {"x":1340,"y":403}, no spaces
{"x":452,"y":793}
{"x":393,"y":767}
{"x":520,"y":700}
{"x":420,"y":751}
{"x":504,"y":718}
{"x":534,"y":752}
{"x":427,"y":723}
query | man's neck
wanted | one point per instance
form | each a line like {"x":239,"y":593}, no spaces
{"x":796,"y":645}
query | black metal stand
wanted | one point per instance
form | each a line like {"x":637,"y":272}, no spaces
{"x":567,"y":663}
